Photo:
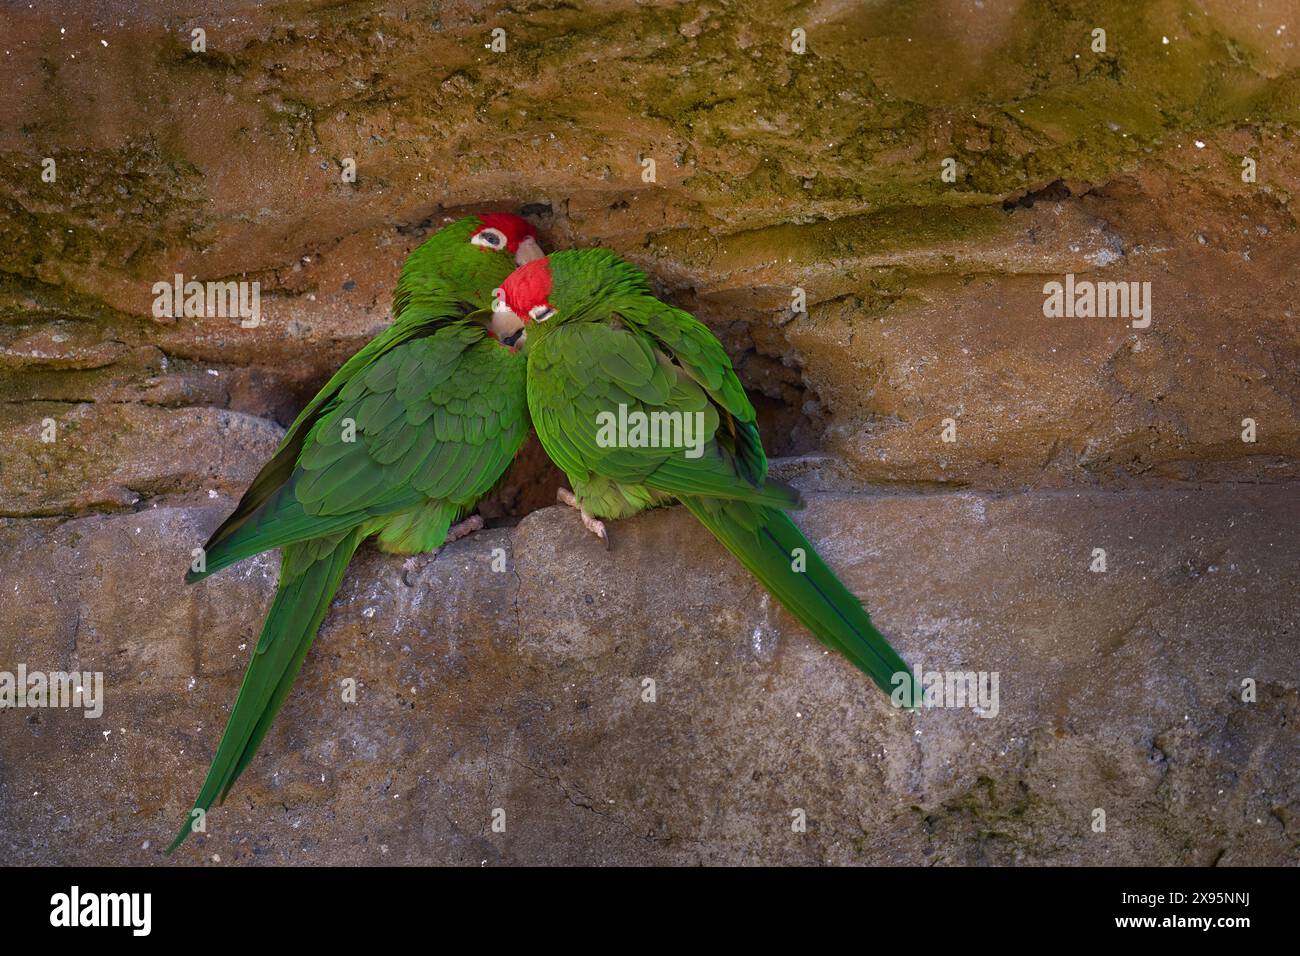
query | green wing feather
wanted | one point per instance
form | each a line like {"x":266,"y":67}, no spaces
{"x":425,"y":313}
{"x":439,"y":416}
{"x":401,"y":446}
{"x":584,"y":372}
{"x":653,"y":358}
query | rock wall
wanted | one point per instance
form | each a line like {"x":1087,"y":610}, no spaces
{"x":773,"y":172}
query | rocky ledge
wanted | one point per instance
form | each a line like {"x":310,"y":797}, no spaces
{"x":519,"y":695}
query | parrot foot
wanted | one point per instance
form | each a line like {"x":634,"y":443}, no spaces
{"x":597,"y":527}
{"x":463,"y":529}
{"x":413,"y":565}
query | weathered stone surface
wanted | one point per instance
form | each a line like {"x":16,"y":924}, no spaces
{"x":773,"y":171}
{"x":1121,"y":691}
{"x":522,"y":690}
{"x":106,"y":457}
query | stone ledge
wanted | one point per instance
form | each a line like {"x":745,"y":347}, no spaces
{"x":522,"y":690}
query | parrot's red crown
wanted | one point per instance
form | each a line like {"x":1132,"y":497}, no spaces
{"x":527,"y":287}
{"x":515,"y":228}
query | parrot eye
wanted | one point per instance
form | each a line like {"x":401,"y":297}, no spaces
{"x":489,"y":238}
{"x":540,"y":312}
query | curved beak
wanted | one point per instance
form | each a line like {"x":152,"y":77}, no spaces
{"x":528,"y":251}
{"x":506,"y":326}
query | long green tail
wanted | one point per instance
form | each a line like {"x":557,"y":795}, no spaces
{"x":764,"y":540}
{"x":310,"y":573}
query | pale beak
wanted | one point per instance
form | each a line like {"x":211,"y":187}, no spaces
{"x":528,"y":251}
{"x":506,"y":326}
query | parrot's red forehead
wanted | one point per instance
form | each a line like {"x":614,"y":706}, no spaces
{"x":527,"y":286}
{"x":515,"y":228}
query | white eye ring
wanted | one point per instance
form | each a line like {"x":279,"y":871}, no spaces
{"x":540,"y":312}
{"x":489,"y":238}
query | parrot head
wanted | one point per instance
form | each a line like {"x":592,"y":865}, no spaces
{"x":505,"y":232}
{"x":569,"y":286}
{"x":468,"y":258}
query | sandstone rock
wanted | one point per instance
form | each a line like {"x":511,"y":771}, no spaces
{"x":774,"y":172}
{"x":523,"y":690}
{"x":103,"y":456}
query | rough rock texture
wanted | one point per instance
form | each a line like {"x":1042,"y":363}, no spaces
{"x":773,"y":172}
{"x":523,"y":690}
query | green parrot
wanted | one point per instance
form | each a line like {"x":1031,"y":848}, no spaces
{"x":402,"y":442}
{"x":638,"y":404}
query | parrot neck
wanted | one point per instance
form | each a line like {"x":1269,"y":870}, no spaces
{"x":607,"y":284}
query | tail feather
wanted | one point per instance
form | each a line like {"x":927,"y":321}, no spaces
{"x":280,"y":521}
{"x":765,"y":540}
{"x":304,"y":594}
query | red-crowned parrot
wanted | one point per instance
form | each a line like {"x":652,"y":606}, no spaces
{"x":605,"y":358}
{"x":402,"y":442}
